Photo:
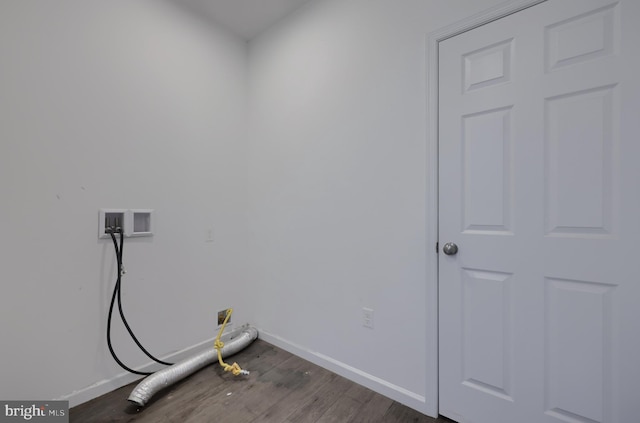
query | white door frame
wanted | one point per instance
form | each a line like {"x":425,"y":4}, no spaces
{"x":433,"y":41}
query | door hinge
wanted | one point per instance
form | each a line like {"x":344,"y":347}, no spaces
{"x":437,"y":244}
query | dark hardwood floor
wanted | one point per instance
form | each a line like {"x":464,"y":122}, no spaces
{"x":282,"y":388}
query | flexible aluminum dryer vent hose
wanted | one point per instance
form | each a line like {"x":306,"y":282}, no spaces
{"x":240,"y":339}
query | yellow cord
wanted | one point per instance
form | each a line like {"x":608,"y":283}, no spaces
{"x":233,"y":368}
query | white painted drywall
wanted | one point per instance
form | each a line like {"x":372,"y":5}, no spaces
{"x":337,"y":188}
{"x":142,"y":105}
{"x":127,"y":105}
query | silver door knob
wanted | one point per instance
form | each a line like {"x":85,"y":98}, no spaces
{"x":450,"y":248}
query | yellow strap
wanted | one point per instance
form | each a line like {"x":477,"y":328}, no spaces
{"x":218,"y":344}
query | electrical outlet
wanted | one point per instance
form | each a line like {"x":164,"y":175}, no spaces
{"x":222,"y":314}
{"x":367,"y":317}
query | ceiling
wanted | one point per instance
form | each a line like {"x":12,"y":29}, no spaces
{"x":246,"y":18}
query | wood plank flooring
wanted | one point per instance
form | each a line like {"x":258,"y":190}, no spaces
{"x":282,"y":388}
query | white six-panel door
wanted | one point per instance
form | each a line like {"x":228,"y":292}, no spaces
{"x":539,"y":174}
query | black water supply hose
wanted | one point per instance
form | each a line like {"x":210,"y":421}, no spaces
{"x":117,"y":293}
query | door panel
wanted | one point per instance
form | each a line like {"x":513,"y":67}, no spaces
{"x":486,"y":144}
{"x":487,"y":366}
{"x":575,"y":345}
{"x":538,"y":153}
{"x":578,"y":165}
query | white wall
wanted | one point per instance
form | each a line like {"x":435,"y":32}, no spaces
{"x":338,"y":188}
{"x":142,"y":104}
{"x":115,"y":104}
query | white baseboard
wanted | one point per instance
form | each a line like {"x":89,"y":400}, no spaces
{"x":396,"y":393}
{"x":383,"y":387}
{"x":105,"y":386}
